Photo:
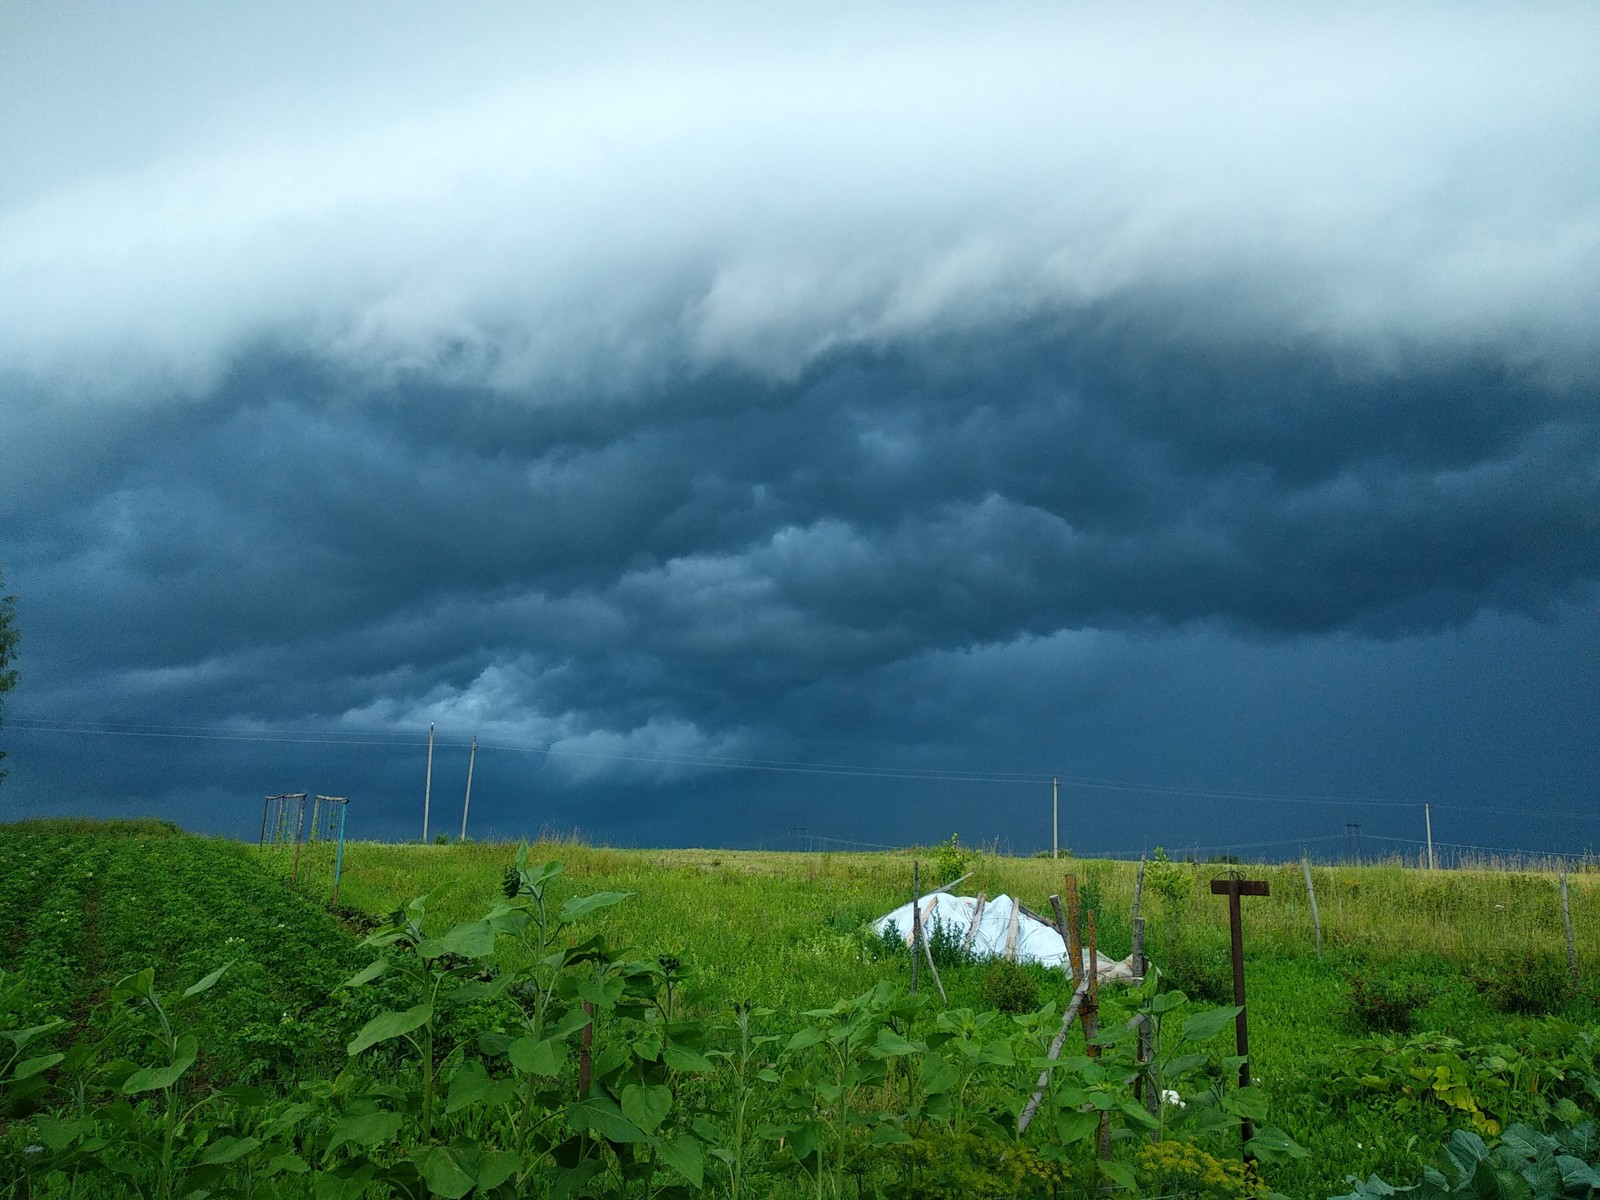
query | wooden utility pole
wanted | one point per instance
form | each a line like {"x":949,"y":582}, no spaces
{"x":427,"y":786}
{"x":1233,"y":887}
{"x":467,"y":803}
{"x":1055,"y":817}
{"x":1427,"y":817}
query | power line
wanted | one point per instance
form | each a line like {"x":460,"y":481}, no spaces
{"x":334,"y":737}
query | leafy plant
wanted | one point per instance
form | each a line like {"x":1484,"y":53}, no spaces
{"x":1522,"y":1164}
{"x":1009,"y":987}
{"x":950,"y":859}
{"x":1378,"y":1001}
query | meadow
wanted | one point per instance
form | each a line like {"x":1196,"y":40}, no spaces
{"x":658,"y":1023}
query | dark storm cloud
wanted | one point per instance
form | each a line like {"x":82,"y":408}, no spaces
{"x":780,"y":390}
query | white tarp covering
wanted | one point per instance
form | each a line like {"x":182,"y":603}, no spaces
{"x":1031,"y":940}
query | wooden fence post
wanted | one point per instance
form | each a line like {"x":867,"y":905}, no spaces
{"x":916,"y":924}
{"x":1311,"y":892}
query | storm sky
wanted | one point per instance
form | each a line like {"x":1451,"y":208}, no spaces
{"x":842,"y":422}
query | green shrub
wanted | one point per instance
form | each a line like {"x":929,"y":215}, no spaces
{"x":1525,"y":982}
{"x":1379,"y":1002}
{"x":1198,"y":963}
{"x":950,"y":860}
{"x":1009,"y":986}
{"x":1173,"y":882}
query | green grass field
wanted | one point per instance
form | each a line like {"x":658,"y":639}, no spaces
{"x":1441,"y":1003}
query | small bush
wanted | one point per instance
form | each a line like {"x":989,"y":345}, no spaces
{"x":1173,"y":882}
{"x":1009,"y":987}
{"x":948,"y":945}
{"x":1199,"y":966}
{"x":1379,"y":1003}
{"x":950,"y":859}
{"x":1525,"y":982}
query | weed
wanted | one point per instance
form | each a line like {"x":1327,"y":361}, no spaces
{"x":1009,"y":987}
{"x":1382,"y":1002}
{"x":1526,"y":982}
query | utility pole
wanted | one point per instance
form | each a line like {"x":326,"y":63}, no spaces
{"x":1055,"y":817}
{"x":427,"y":787}
{"x":1427,"y":817}
{"x":465,"y":804}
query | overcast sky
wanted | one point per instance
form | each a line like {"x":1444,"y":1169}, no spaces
{"x":846,"y":421}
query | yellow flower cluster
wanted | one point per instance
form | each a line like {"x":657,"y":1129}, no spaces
{"x":1026,"y":1168}
{"x":1180,"y":1168}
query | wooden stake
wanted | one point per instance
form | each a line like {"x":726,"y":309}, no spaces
{"x":972,"y":927}
{"x":1146,"y":1085}
{"x":1566,"y":923}
{"x":1311,"y":893}
{"x":934,"y":971}
{"x":1074,"y":936}
{"x":427,"y":786}
{"x":916,"y":926}
{"x":1080,"y":993}
{"x":467,"y":803}
{"x":1055,"y":818}
{"x":1011,"y":931}
{"x":1091,"y":1024}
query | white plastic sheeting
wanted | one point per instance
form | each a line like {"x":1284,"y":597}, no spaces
{"x":994,"y":936}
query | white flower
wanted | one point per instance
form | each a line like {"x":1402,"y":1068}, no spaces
{"x":1168,"y":1096}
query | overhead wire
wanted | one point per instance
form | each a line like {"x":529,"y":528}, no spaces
{"x":338,"y":737}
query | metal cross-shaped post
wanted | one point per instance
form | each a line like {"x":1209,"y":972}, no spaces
{"x":1233,"y":887}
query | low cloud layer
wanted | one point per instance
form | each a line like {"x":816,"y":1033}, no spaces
{"x":754,"y":392}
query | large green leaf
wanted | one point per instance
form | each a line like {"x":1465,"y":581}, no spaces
{"x":1274,"y":1145}
{"x":390,"y":1024}
{"x":1074,"y":1126}
{"x":809,"y":1035}
{"x":495,"y":1167}
{"x":368,"y":1129}
{"x":532,"y":1056}
{"x":681,"y":1058}
{"x":471,"y":1084}
{"x":938,"y":1075}
{"x":21,"y":1037}
{"x":151,"y":1079}
{"x":582,"y":906}
{"x":30,"y":1067}
{"x":138,"y":986}
{"x":207,"y":983}
{"x":229,"y":1149}
{"x":646,"y":1105}
{"x":1247,"y":1102}
{"x":890,"y":1044}
{"x":685,"y":1156}
{"x":367,"y":974}
{"x":445,"y":1174}
{"x":470,"y":939}
{"x":602,"y":1116}
{"x":889,"y":1135}
{"x":1197,"y":1027}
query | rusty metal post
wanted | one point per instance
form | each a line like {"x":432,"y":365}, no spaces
{"x":1074,"y":932}
{"x":1233,"y":887}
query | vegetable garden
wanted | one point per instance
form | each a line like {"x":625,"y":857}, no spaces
{"x":179,"y":1022}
